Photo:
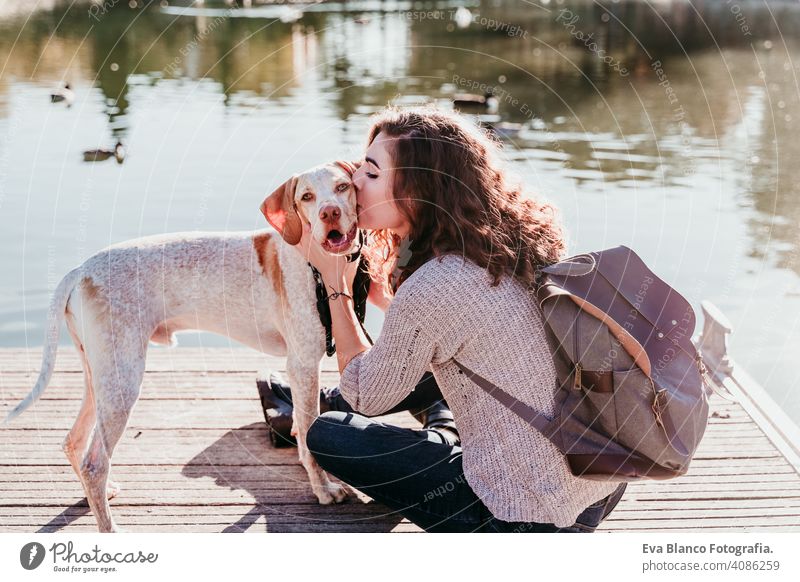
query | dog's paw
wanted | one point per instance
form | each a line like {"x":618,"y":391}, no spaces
{"x":112,"y":490}
{"x":331,"y":493}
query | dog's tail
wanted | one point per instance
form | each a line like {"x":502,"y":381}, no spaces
{"x":55,"y":315}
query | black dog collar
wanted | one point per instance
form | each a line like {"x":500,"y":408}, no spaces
{"x":360,"y":291}
{"x":354,"y":255}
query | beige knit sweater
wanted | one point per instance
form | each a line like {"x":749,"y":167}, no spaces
{"x":448,"y":309}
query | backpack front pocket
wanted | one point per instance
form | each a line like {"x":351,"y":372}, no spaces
{"x":639,"y":426}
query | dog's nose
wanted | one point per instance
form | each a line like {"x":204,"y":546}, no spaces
{"x":330,"y":214}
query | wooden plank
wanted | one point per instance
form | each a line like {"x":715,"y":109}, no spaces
{"x":764,"y":505}
{"x":147,"y":414}
{"x":156,"y":385}
{"x":743,"y":497}
{"x":278,"y":486}
{"x":271,"y":518}
{"x":159,"y":359}
{"x":11,"y":476}
{"x":606,"y":528}
{"x":732,"y":514}
{"x":128,"y":455}
{"x":347,"y":512}
{"x":707,"y":522}
{"x":759,"y":405}
{"x":355,"y":509}
{"x":164,"y":472}
{"x":161,"y":385}
{"x":256,"y":526}
{"x":351,"y":509}
{"x":276,"y":476}
{"x":216,"y":493}
{"x":777,"y":462}
{"x":240,"y":447}
{"x":194,"y":413}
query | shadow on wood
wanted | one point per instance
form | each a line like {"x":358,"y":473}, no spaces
{"x":244,"y":460}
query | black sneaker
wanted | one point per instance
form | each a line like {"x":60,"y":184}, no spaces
{"x":438,"y":418}
{"x":276,"y":403}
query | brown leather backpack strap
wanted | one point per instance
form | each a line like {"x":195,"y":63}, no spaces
{"x":550,"y":291}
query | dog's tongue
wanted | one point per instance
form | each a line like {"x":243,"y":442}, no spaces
{"x":335,"y":236}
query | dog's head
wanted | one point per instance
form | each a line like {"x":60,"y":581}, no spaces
{"x":323,"y":197}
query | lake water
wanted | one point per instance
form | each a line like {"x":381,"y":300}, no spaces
{"x":667,"y":127}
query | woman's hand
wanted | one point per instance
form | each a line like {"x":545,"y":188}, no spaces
{"x":379,"y":294}
{"x":336,"y":272}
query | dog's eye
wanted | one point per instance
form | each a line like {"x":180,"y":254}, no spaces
{"x":342,"y":187}
{"x":307,"y":196}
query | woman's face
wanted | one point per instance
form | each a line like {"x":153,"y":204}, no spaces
{"x":374,"y":193}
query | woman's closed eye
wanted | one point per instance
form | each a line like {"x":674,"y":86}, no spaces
{"x":370,"y":162}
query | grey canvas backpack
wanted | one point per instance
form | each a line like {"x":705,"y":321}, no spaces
{"x":631,"y":399}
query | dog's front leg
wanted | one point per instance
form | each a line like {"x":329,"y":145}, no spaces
{"x":304,"y":380}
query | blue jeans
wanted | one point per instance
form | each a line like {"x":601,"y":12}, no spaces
{"x":414,"y":473}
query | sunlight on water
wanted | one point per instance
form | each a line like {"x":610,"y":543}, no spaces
{"x":690,"y":158}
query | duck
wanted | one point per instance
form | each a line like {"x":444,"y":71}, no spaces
{"x":65,"y":94}
{"x":486,"y":102}
{"x":101,"y":155}
{"x":506,"y":129}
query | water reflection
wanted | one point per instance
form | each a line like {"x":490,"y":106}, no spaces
{"x":668,"y":126}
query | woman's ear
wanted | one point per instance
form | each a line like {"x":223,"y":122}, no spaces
{"x":279,"y":210}
{"x":349,"y":167}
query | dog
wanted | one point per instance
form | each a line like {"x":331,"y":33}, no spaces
{"x":254,"y":287}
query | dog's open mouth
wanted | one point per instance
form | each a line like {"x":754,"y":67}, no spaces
{"x":336,"y":241}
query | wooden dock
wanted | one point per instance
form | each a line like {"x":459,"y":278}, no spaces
{"x":196,"y":457}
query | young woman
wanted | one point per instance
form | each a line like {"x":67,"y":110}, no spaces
{"x":432,"y":184}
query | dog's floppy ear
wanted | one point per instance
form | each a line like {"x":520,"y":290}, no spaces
{"x":279,"y":210}
{"x":349,"y":167}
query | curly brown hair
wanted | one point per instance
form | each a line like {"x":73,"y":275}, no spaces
{"x":450,"y":185}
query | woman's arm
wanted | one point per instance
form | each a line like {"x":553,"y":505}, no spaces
{"x":377,"y":379}
{"x":338,"y":276}
{"x":347,"y":333}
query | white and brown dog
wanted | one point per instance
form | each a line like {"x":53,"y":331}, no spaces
{"x":254,"y":287}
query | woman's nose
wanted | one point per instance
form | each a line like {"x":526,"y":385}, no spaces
{"x":358,"y":176}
